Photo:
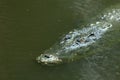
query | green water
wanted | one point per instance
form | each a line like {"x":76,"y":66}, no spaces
{"x":29,"y":27}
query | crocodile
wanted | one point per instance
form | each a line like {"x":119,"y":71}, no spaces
{"x":75,"y":42}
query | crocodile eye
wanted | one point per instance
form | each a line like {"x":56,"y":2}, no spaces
{"x":46,"y":56}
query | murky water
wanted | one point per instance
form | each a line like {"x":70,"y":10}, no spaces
{"x":28,"y":27}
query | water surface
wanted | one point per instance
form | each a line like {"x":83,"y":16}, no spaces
{"x":29,"y":27}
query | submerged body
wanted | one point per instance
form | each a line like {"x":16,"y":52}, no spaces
{"x":78,"y":39}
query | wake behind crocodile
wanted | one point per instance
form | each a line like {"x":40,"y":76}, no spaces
{"x":78,"y":39}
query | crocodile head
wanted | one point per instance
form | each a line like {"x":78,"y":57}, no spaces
{"x":48,"y":59}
